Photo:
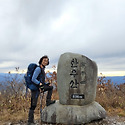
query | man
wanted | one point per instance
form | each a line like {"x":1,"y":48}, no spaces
{"x":39,"y":79}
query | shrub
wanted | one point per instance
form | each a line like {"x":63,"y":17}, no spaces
{"x":14,"y":106}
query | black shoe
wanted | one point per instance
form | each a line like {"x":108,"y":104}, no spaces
{"x":49,"y":102}
{"x":31,"y":117}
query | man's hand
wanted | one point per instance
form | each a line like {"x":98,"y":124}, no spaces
{"x":41,"y":84}
{"x":41,"y":87}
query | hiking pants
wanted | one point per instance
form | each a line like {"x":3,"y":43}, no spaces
{"x":35,"y":95}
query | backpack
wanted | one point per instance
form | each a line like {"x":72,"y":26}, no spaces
{"x":28,"y":77}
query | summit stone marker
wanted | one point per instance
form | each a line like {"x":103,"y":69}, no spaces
{"x":77,"y":80}
{"x":76,"y":77}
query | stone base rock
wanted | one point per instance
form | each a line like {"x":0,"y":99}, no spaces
{"x":72,"y":114}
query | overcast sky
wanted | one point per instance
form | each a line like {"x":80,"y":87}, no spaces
{"x":30,"y":29}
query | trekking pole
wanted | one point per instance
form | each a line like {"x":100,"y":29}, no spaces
{"x":41,"y":98}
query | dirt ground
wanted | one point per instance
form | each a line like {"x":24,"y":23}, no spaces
{"x":109,"y":120}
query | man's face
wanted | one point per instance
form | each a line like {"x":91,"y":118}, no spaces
{"x":45,"y":61}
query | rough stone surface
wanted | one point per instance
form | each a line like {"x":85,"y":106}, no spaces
{"x":77,"y":80}
{"x":73,"y":69}
{"x":72,"y":114}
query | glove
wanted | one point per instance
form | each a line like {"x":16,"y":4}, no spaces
{"x":47,"y":84}
{"x":41,"y":88}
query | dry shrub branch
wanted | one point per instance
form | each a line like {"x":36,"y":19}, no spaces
{"x":14,"y":105}
{"x":111,"y":96}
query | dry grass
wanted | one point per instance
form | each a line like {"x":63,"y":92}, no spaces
{"x":15,"y":106}
{"x":111,"y":97}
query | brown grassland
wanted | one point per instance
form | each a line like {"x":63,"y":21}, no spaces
{"x":14,"y":105}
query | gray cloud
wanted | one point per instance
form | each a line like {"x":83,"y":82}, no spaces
{"x":31,"y":29}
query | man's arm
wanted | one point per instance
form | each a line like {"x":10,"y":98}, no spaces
{"x":35,"y":75}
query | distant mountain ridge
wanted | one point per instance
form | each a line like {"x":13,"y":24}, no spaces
{"x":114,"y":79}
{"x":6,"y":76}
